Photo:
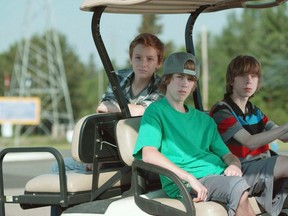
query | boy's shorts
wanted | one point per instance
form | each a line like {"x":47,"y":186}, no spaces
{"x":225,"y":189}
{"x":259,"y":174}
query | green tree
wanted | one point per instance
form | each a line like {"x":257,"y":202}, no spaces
{"x":74,"y":68}
{"x":92,"y":87}
{"x":238,"y":37}
{"x":150,"y":23}
{"x":76,"y":72}
{"x":6,"y":61}
{"x":274,"y":54}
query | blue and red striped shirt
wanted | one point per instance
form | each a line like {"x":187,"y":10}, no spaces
{"x":230,"y":119}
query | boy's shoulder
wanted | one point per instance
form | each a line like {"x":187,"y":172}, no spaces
{"x":202,"y":114}
{"x":220,"y":105}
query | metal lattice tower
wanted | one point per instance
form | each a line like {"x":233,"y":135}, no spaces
{"x":39,"y":71}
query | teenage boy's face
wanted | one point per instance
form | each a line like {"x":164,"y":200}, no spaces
{"x":245,"y":85}
{"x":144,"y":61}
{"x":180,"y":87}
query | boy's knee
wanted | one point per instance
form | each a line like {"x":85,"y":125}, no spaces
{"x":239,"y":186}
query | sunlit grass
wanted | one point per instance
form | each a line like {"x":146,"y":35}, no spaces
{"x":282,"y":147}
{"x":34,"y":141}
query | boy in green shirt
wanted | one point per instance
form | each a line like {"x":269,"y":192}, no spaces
{"x":185,"y":141}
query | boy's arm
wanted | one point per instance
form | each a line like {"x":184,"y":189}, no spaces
{"x":136,"y":110}
{"x":153,"y":156}
{"x":109,"y":107}
{"x":258,"y":140}
{"x":229,"y":127}
{"x":283,"y":138}
{"x":234,"y":165}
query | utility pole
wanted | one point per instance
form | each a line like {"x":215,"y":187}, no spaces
{"x":39,"y":72}
{"x":205,"y":77}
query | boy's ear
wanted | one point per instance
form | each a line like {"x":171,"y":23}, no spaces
{"x":159,"y":65}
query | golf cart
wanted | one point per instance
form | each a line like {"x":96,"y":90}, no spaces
{"x":142,"y":198}
{"x":128,"y":187}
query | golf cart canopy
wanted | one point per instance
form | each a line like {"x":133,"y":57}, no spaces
{"x":174,"y":6}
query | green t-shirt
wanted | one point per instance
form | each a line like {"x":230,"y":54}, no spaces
{"x":190,"y":140}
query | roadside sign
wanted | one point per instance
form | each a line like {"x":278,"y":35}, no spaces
{"x":20,"y":110}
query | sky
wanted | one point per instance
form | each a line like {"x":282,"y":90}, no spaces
{"x":23,"y":18}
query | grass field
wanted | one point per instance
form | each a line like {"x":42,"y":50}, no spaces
{"x":34,"y":141}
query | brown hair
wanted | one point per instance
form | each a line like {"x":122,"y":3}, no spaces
{"x":240,"y":65}
{"x":148,"y":40}
{"x":166,"y":79}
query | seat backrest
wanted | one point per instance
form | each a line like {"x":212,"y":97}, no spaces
{"x":76,"y":137}
{"x":126,"y":136}
{"x":95,"y":134}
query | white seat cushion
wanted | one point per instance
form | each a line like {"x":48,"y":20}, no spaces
{"x":209,"y":208}
{"x":205,"y":208}
{"x":76,"y":182}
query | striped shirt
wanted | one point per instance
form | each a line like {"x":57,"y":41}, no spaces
{"x":230,"y":119}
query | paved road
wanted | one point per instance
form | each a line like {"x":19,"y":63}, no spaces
{"x":17,"y":171}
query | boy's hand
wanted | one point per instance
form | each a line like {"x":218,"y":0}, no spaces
{"x":199,"y":190}
{"x":233,"y":170}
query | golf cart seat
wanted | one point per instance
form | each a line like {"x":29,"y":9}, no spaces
{"x":93,"y":142}
{"x":153,"y":200}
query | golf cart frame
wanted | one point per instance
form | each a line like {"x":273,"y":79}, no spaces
{"x":194,"y":8}
{"x":95,"y":131}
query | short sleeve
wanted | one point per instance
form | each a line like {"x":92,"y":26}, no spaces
{"x":218,"y":146}
{"x":227,"y":124}
{"x":149,"y":133}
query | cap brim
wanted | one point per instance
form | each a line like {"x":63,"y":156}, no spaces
{"x":190,"y":72}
